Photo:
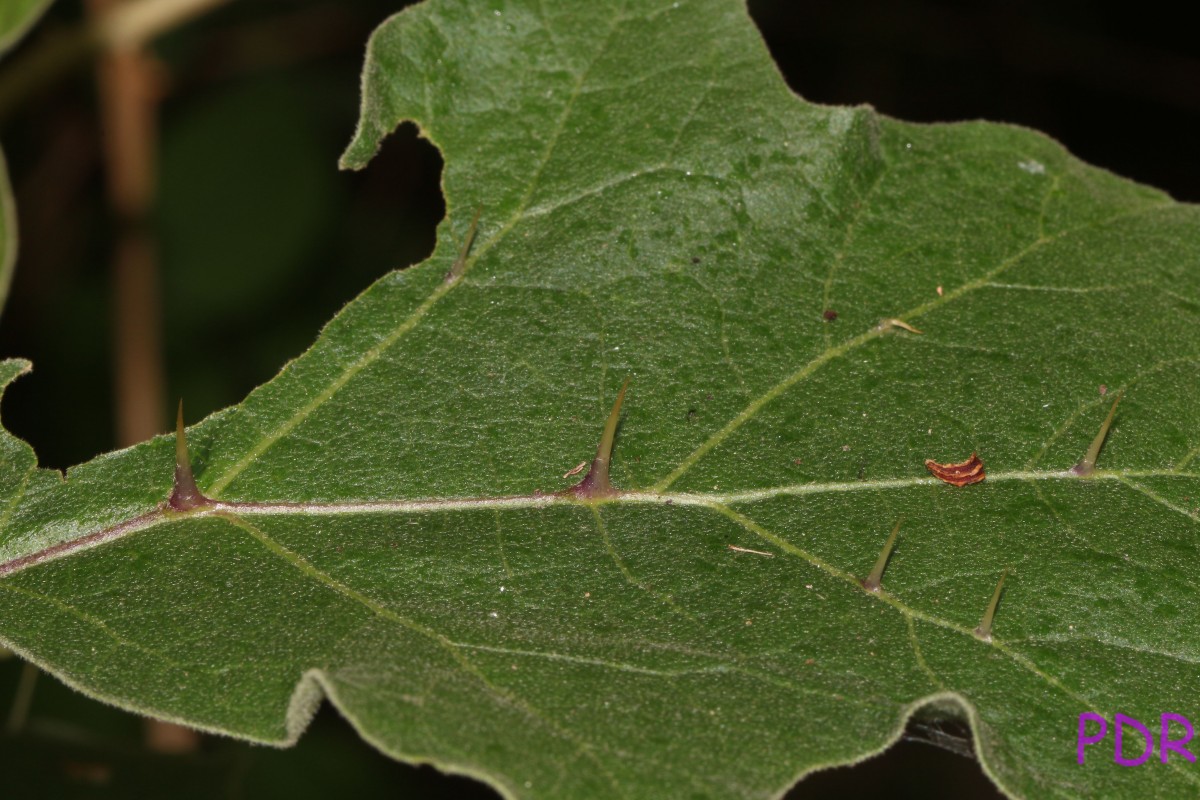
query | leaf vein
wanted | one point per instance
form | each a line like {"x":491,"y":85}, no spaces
{"x":413,"y":319}
{"x":501,"y":695}
{"x":1018,"y":658}
{"x":832,"y":353}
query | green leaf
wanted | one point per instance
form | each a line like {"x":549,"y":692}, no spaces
{"x":72,"y":747}
{"x":8,"y":232}
{"x":17,"y":17}
{"x":655,"y":203}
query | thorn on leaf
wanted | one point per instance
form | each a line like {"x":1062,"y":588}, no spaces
{"x":185,"y":496}
{"x":596,"y":483}
{"x":873,"y":582}
{"x":898,"y":323}
{"x":984,"y":631}
{"x":460,"y":264}
{"x":1088,"y":465}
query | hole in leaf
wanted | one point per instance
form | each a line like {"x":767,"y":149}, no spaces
{"x":260,"y":240}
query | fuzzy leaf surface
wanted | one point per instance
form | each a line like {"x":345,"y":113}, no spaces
{"x":656,"y":203}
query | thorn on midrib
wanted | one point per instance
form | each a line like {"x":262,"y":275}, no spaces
{"x":596,"y":483}
{"x":185,"y":496}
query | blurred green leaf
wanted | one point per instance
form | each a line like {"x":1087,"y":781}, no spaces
{"x":656,"y":203}
{"x":16,"y":17}
{"x":229,"y":244}
{"x":73,"y":747}
{"x":8,"y":232}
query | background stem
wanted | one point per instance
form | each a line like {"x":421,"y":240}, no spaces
{"x":129,"y":91}
{"x":113,"y":26}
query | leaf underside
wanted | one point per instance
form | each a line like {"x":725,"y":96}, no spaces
{"x":657,"y":204}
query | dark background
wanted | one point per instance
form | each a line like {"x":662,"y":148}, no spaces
{"x":262,"y":240}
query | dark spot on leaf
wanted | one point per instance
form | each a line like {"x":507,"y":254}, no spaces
{"x":692,"y":414}
{"x":830,"y":315}
{"x":695,"y":259}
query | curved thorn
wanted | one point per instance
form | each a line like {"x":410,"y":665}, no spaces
{"x":898,"y":323}
{"x":596,"y":483}
{"x":1088,"y":465}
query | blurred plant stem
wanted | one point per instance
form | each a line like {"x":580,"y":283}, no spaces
{"x":129,"y":91}
{"x":130,"y":86}
{"x":120,"y":26}
{"x":22,"y":700}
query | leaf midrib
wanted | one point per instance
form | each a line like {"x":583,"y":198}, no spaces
{"x":749,"y":412}
{"x":518,"y":215}
{"x":163,"y":514}
{"x":232,"y":513}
